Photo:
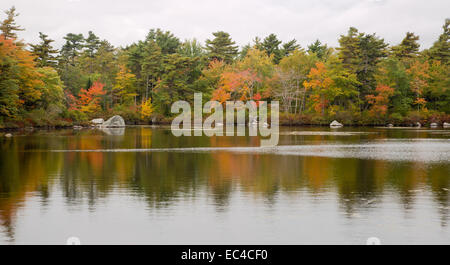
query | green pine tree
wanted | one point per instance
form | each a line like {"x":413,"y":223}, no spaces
{"x":441,"y":48}
{"x":8,"y":26}
{"x":45,"y":53}
{"x":408,"y":48}
{"x":222,"y":47}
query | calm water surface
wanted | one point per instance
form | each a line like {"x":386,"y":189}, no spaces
{"x":142,"y":185}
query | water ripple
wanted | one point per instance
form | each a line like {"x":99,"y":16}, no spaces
{"x":426,"y":150}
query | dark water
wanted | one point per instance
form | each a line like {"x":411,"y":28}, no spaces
{"x":147,"y":186}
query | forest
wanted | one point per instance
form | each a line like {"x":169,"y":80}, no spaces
{"x":363,"y":81}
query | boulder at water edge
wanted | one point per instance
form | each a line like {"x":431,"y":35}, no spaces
{"x":390,"y":125}
{"x":433,"y":125}
{"x":97,"y":121}
{"x":336,"y":124}
{"x":446,"y":125}
{"x":114,"y":122}
{"x":418,"y":124}
{"x":8,"y":135}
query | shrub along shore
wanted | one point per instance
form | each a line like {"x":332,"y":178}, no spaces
{"x":284,"y":120}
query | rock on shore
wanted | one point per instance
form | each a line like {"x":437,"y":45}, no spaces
{"x":97,"y":121}
{"x":114,"y":122}
{"x":336,"y":124}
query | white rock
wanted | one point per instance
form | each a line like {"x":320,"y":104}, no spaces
{"x":433,"y":125}
{"x":98,"y":121}
{"x":8,"y":135}
{"x":336,"y":124}
{"x":418,"y":124}
{"x":390,"y":125}
{"x":76,"y":127}
{"x":114,"y":122}
{"x":446,"y":125}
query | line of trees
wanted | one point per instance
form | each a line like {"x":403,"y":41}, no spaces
{"x":363,"y":81}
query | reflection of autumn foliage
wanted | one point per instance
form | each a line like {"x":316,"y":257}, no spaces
{"x":165,"y":177}
{"x":27,"y":175}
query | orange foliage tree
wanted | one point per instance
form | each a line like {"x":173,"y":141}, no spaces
{"x":89,"y":100}
{"x":19,"y":78}
{"x":419,"y":81}
{"x":236,"y":85}
{"x":319,"y":83}
{"x":380,"y":101}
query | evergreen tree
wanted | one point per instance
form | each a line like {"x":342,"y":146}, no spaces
{"x":166,"y":41}
{"x":8,"y":26}
{"x":191,"y":48}
{"x":134,"y":57}
{"x":92,"y":43}
{"x":244,"y":51}
{"x":222,"y":47}
{"x":72,"y":48}
{"x":360,"y":54}
{"x":105,"y":64}
{"x":69,"y":69}
{"x":45,"y":53}
{"x":271,"y":46}
{"x":372,"y":49}
{"x":151,"y":64}
{"x":257,"y":43}
{"x":289,"y":47}
{"x":441,"y":48}
{"x":319,"y":49}
{"x":408,"y":48}
{"x":175,"y":82}
{"x":349,"y":50}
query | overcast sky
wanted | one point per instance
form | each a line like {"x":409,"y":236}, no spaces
{"x":123,"y":22}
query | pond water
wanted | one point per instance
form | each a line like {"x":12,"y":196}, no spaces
{"x":142,"y":185}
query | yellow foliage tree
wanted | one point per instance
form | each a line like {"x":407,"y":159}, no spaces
{"x":146,"y":109}
{"x":125,"y":90}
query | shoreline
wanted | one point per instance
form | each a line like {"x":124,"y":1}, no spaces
{"x":82,"y":127}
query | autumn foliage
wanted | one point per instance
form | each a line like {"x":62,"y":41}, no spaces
{"x":89,"y":99}
{"x":319,"y":83}
{"x":380,"y":101}
{"x":363,"y":80}
{"x":19,"y":80}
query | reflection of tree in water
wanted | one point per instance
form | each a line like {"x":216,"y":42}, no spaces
{"x":167,"y":177}
{"x":440,"y":185}
{"x":22,"y":174}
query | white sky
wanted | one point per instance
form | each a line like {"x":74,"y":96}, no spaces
{"x":124,"y":22}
